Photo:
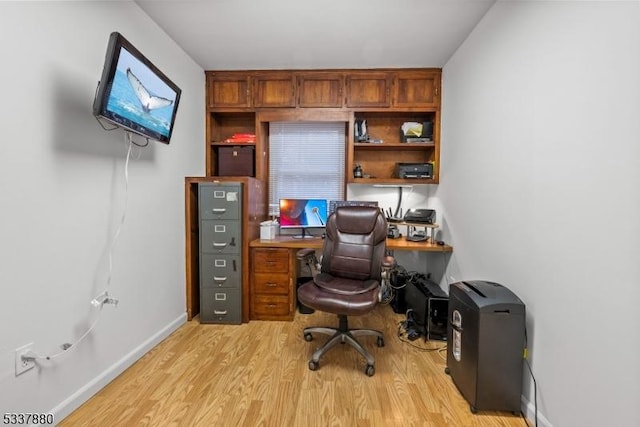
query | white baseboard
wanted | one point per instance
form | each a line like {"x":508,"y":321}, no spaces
{"x":74,"y":401}
{"x":529,"y":410}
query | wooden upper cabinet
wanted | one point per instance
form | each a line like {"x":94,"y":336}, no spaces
{"x":228,"y":90}
{"x":320,"y":90}
{"x":274,"y":89}
{"x":416,"y":89}
{"x":368,"y":89}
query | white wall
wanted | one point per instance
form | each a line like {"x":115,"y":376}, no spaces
{"x":420,"y":196}
{"x":540,"y":155}
{"x":63,"y":194}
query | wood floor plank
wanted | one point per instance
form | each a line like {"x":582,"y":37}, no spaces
{"x":257,"y":374}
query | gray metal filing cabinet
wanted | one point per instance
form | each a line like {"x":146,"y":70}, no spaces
{"x":220,"y":220}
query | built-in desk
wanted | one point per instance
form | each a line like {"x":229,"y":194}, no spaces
{"x":400,"y":244}
{"x":275,"y":270}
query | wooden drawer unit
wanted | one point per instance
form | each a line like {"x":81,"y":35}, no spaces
{"x":271,"y":261}
{"x":272,"y":307}
{"x":271,"y":284}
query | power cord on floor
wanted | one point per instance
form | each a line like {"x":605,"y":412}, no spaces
{"x":402,"y":337}
{"x":535,"y":384}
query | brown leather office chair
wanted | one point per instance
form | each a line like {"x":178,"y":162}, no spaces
{"x":350,"y":278}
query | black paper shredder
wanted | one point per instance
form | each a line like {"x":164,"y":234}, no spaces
{"x":486,"y":341}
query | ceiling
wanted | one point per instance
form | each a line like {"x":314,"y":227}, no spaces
{"x":307,"y":34}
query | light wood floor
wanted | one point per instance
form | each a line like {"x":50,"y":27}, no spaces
{"x":257,"y":374}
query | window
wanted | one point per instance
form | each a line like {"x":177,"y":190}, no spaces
{"x":306,"y":160}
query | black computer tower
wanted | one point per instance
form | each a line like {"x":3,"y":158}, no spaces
{"x":429,"y":306}
{"x":486,"y":339}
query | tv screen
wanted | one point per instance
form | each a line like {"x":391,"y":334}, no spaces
{"x":303,"y":213}
{"x":134,"y":94}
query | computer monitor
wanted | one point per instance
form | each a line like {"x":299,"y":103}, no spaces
{"x":303,"y":214}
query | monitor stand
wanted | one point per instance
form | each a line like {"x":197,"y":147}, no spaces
{"x":304,"y":235}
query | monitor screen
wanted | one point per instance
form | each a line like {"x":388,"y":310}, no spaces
{"x":134,"y":94}
{"x":303,"y":213}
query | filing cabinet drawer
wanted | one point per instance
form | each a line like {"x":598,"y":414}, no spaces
{"x":220,"y":271}
{"x":271,"y":305}
{"x":221,"y":237}
{"x":270,"y":283}
{"x":270,"y":260}
{"x":219,"y":201}
{"x":220,"y":305}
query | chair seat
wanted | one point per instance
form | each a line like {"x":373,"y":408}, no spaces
{"x":320,"y":298}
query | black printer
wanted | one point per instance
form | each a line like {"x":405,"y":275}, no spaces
{"x":414,"y":170}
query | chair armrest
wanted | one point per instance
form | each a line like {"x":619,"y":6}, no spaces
{"x":303,"y":254}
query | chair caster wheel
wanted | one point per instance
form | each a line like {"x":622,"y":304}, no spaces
{"x":308,"y":337}
{"x":447,"y":371}
{"x":313,"y":366}
{"x":380,"y":342}
{"x":370,"y":370}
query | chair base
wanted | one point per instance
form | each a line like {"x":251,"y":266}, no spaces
{"x":342,"y":334}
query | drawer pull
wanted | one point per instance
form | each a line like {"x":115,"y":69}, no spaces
{"x":272,"y":305}
{"x":219,"y":245}
{"x":220,"y":312}
{"x":218,"y":210}
{"x":219,"y":279}
{"x":271,"y":285}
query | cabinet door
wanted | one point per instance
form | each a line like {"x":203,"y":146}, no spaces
{"x":320,"y":90}
{"x":274,"y":90}
{"x":416,"y":89}
{"x":228,"y":90}
{"x":368,"y":89}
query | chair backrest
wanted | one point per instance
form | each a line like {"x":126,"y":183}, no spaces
{"x":355,"y":243}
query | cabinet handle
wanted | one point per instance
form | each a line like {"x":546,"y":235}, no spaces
{"x":219,"y":245}
{"x":271,"y":305}
{"x":271,"y":285}
{"x":219,"y":279}
{"x":218,"y":210}
{"x":220,"y":312}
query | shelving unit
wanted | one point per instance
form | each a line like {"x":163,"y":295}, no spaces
{"x":245,"y":102}
{"x":378,"y":160}
{"x":220,"y":126}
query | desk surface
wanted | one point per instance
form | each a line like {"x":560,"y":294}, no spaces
{"x":400,"y":244}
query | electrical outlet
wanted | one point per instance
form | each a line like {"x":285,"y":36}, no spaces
{"x":22,"y":365}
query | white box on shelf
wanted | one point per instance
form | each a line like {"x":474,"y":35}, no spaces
{"x":268,"y":230}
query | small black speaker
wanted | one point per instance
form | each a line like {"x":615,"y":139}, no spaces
{"x":427,"y":130}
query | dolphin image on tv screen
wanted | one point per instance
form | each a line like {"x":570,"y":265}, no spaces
{"x":149,"y":102}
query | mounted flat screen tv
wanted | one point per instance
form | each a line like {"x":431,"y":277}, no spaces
{"x":303,"y":214}
{"x":134,"y":94}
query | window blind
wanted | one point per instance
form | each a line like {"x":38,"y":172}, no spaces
{"x":306,"y":161}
